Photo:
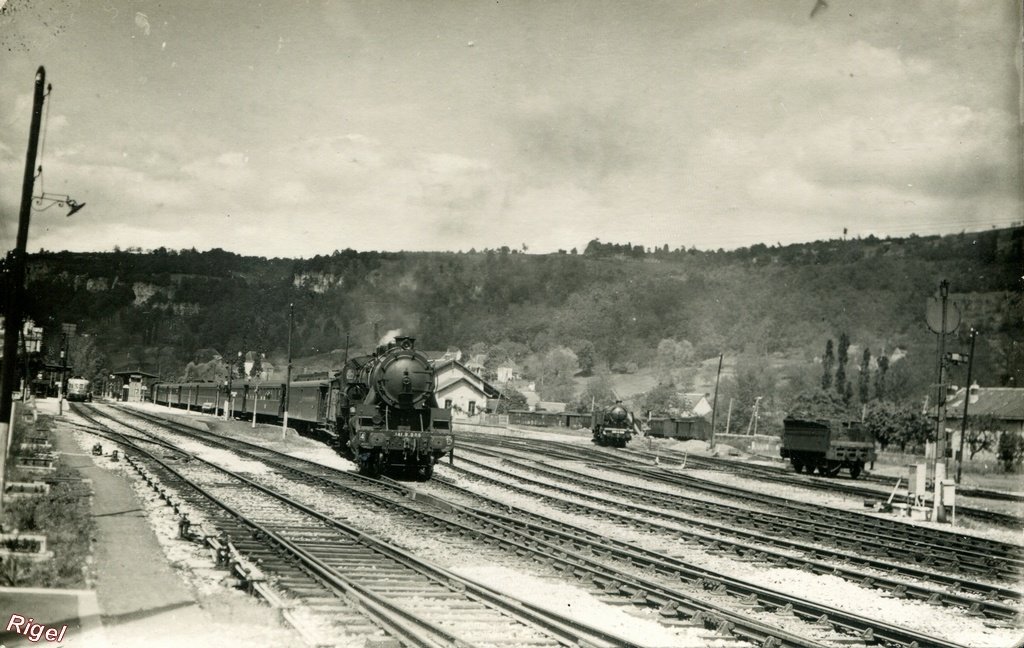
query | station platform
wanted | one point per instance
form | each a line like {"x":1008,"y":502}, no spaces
{"x":138,"y":596}
{"x":74,"y":612}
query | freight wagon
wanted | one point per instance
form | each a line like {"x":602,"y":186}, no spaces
{"x":827,"y":446}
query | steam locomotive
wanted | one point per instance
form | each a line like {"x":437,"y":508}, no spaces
{"x":613,"y":428}
{"x":391,"y":421}
{"x":379,"y":411}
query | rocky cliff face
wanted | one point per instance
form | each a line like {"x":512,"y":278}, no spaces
{"x":318,"y":282}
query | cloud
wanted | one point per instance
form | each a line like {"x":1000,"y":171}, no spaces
{"x":587,"y":143}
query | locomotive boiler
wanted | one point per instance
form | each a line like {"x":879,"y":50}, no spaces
{"x":389,"y":421}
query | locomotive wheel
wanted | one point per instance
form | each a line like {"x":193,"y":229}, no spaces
{"x":373,"y":466}
{"x":798,"y":467}
{"x":834,"y":470}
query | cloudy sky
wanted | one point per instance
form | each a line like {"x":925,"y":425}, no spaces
{"x":296,"y":128}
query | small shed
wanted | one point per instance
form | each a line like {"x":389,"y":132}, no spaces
{"x":132,"y":386}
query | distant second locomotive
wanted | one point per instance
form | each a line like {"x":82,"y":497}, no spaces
{"x":614,"y":427}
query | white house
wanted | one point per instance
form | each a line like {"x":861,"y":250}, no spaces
{"x":506,"y":373}
{"x":698,"y":404}
{"x":462,"y":390}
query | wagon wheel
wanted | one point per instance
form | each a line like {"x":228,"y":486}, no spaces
{"x":833,"y":471}
{"x":855,"y":471}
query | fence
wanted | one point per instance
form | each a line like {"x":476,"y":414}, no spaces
{"x":766,"y":445}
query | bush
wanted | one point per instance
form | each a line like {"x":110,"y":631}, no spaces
{"x":62,"y":515}
{"x":1010,"y":450}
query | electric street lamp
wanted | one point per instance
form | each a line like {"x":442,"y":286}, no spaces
{"x":17,"y":270}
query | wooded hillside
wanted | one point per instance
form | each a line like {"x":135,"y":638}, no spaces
{"x":605,"y":311}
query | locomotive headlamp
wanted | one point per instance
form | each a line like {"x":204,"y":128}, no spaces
{"x":406,"y":343}
{"x":377,"y":419}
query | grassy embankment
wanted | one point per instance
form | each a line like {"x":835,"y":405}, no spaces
{"x":62,"y":514}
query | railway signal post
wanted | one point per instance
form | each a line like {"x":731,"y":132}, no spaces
{"x":967,"y":400}
{"x":941,"y":323}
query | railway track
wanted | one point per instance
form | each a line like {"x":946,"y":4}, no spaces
{"x":781,"y":531}
{"x":832,"y":484}
{"x":355,"y":583}
{"x":777,"y":475}
{"x":979,"y":599}
{"x":784,"y":476}
{"x":670,"y":601}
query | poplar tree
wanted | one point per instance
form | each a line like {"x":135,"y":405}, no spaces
{"x":880,"y":383}
{"x":842,"y":388}
{"x":864,"y":380}
{"x":827,"y":362}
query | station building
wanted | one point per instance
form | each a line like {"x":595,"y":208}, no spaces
{"x":459,"y":388}
{"x":131,"y":386}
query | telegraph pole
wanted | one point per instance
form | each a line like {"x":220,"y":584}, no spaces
{"x":714,"y":402}
{"x":288,"y":371}
{"x":12,"y":325}
{"x":967,"y":400}
{"x":940,"y":433}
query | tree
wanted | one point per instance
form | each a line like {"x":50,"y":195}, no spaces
{"x":256,"y":372}
{"x":660,"y":400}
{"x":898,"y":425}
{"x":672,"y":355}
{"x":554,"y":376}
{"x":85,"y":359}
{"x":864,"y":378}
{"x":1011,"y":450}
{"x":754,"y":379}
{"x":511,"y":399}
{"x":880,"y":378}
{"x":842,"y":387}
{"x":818,"y":404}
{"x":981,"y":434}
{"x":585,"y":355}
{"x":827,"y":362}
{"x":598,"y":395}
